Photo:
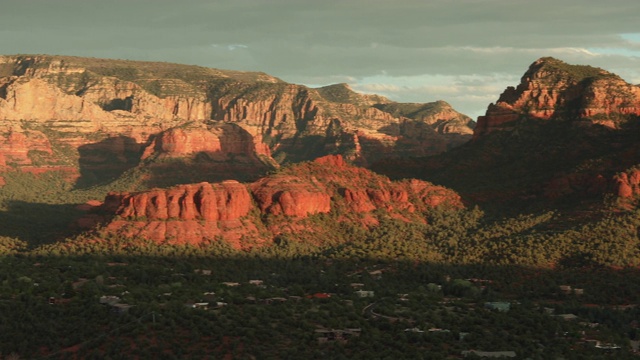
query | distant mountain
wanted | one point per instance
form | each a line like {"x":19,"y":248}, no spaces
{"x":97,"y":118}
{"x":554,"y":90}
{"x":567,"y":135}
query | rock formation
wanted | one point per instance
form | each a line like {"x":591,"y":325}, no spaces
{"x":552,"y":89}
{"x":233,"y":211}
{"x":564,"y":137}
{"x":63,"y":106}
{"x":627,"y":186}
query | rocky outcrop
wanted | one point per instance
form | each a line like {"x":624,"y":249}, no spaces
{"x":15,"y":146}
{"x":552,"y":89}
{"x":233,"y":211}
{"x":229,"y":200}
{"x":291,"y":196}
{"x":184,"y":214}
{"x":627,"y":184}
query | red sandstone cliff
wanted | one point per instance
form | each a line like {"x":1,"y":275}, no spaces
{"x":234,"y":211}
{"x":627,"y":186}
{"x":552,"y":89}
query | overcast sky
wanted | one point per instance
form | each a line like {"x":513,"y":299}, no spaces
{"x":461,"y":51}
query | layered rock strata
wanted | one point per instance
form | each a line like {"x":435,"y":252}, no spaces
{"x":233,"y":211}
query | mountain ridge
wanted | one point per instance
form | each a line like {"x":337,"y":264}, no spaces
{"x":67,"y":104}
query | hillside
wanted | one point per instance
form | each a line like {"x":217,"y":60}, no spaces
{"x":565,"y":137}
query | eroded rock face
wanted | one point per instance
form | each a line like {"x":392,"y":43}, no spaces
{"x":291,"y":196}
{"x":229,"y":200}
{"x":627,"y":184}
{"x":234,"y":211}
{"x":174,"y":110}
{"x":552,"y":89}
{"x":16,"y":145}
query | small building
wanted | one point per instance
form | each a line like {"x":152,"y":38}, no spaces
{"x":413,"y":330}
{"x":498,"y":305}
{"x":256,"y":282}
{"x":209,"y":296}
{"x":565,"y":289}
{"x":364,"y":293}
{"x":578,"y":291}
{"x":438,"y":330}
{"x":319,"y":296}
{"x":109,"y":300}
{"x":567,"y":317}
{"x":231,"y":284}
{"x":200,"y":305}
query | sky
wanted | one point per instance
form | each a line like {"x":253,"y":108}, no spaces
{"x":462,"y":51}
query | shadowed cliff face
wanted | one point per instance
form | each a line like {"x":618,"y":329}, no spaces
{"x":106,"y":160}
{"x":248,"y":214}
{"x":77,"y":103}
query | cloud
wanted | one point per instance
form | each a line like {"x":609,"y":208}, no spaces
{"x":409,"y":47}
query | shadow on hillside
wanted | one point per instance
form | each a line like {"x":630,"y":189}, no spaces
{"x":38,"y":223}
{"x":236,"y":159}
{"x":106,"y":160}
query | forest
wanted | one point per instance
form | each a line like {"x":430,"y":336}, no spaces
{"x":397,"y":290}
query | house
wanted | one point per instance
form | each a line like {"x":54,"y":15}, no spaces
{"x":109,"y":300}
{"x":364,"y":293}
{"x":607,"y":346}
{"x":438,"y":330}
{"x":413,"y":330}
{"x":490,"y":354}
{"x":203,"y":272}
{"x":498,"y":305}
{"x":567,"y":317}
{"x":566,"y":289}
{"x":319,"y":296}
{"x":200,"y":305}
{"x":578,"y":291}
{"x":356,"y":285}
